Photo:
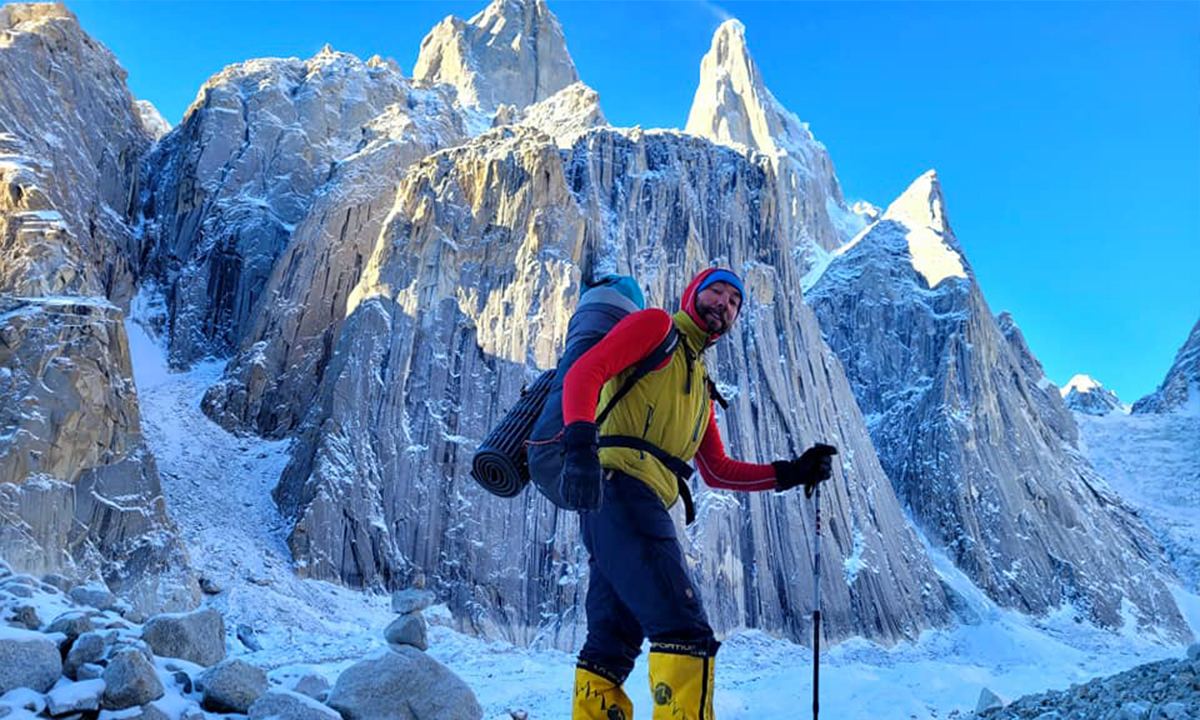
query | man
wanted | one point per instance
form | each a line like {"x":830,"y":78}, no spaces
{"x":620,"y":477}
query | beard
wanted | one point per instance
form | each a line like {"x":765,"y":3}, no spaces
{"x":714,"y":319}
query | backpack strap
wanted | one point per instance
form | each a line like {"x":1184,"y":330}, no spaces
{"x":682,"y":470}
{"x":648,"y":363}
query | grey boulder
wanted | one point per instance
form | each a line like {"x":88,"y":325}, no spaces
{"x":988,"y":700}
{"x":198,"y":636}
{"x":402,"y":683}
{"x":27,"y":659}
{"x":408,"y":630}
{"x":130,"y":680}
{"x":69,"y":697}
{"x":87,"y":648}
{"x":232,"y":686}
{"x":287,"y":705}
{"x":96,"y":596}
{"x":411,"y":600}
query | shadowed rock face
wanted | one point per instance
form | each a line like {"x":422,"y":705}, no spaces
{"x":79,"y":491}
{"x":468,"y":293}
{"x":70,"y":145}
{"x":232,"y":183}
{"x":978,"y":445}
{"x":1182,"y":381}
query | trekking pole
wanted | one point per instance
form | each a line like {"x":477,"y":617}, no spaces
{"x":817,"y":602}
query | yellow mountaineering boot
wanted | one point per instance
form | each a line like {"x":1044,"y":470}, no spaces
{"x":681,"y":680}
{"x":598,"y":697}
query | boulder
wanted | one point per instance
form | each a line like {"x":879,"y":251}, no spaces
{"x":28,"y":659}
{"x":408,"y":629}
{"x":232,"y":686}
{"x":411,"y":600}
{"x":72,"y":624}
{"x":198,"y":636}
{"x":988,"y":700}
{"x":61,"y":582}
{"x":313,"y":685}
{"x":89,"y":671}
{"x":402,"y":683}
{"x":26,"y":616}
{"x":87,"y":648}
{"x":288,"y":705}
{"x":68,"y":697}
{"x":97,"y":596}
{"x":130,"y":680}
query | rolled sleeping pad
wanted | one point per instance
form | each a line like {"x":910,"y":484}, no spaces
{"x":500,"y":464}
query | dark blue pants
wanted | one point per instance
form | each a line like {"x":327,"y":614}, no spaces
{"x":638,"y":581}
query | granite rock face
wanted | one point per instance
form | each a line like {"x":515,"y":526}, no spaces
{"x":70,"y":147}
{"x":230,"y":185}
{"x":977,"y":443}
{"x":468,"y":294}
{"x":512,"y":52}
{"x":1182,"y":383}
{"x":734,"y":107}
{"x":79,"y":490}
{"x":273,"y":377}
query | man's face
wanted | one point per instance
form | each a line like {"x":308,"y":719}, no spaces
{"x":718,"y":305}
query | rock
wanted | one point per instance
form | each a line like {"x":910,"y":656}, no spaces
{"x":1136,"y":710}
{"x":1193,"y":652}
{"x":131,"y":643}
{"x":408,"y":630}
{"x":28,"y":659}
{"x":88,"y":648}
{"x":290,"y":706}
{"x":24,"y":698}
{"x":411,"y":601}
{"x":988,"y":700}
{"x":61,"y":582}
{"x":96,"y":596}
{"x":192,"y":712}
{"x":150,"y":711}
{"x":232,"y":686}
{"x":72,"y":624}
{"x":68,"y":697}
{"x":5,"y":710}
{"x":18,"y":590}
{"x":208,"y":586}
{"x":511,"y":53}
{"x":246,"y":634}
{"x":1174,"y":711}
{"x":184,"y":680}
{"x":89,"y":671}
{"x":27,"y":617}
{"x":313,"y":685}
{"x":130,"y":680}
{"x":197,"y":636}
{"x":402,"y":683}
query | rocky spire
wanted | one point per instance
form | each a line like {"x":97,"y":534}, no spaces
{"x":513,"y":52}
{"x":978,"y":445}
{"x":732,"y":104}
{"x":1182,"y":381}
{"x":1085,"y":395}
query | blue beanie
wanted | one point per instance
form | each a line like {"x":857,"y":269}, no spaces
{"x":723,"y":275}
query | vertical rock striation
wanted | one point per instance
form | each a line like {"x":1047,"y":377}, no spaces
{"x":469,"y":291}
{"x":979,"y":446}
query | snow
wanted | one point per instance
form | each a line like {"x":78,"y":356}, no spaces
{"x":1081,"y":384}
{"x":218,"y":490}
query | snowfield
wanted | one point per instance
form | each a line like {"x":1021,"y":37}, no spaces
{"x":218,"y":491}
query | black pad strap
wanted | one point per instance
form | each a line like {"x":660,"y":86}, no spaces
{"x":680,"y":469}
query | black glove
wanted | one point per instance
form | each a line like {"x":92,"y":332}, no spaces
{"x":580,"y":485}
{"x":812,"y":467}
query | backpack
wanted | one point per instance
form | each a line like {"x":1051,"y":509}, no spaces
{"x":527,"y":442}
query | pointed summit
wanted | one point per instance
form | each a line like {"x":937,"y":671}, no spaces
{"x":931,"y":243}
{"x":732,"y":104}
{"x":513,"y":52}
{"x":1085,"y":395}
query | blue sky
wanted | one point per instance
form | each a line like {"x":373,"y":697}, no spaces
{"x":1066,"y":135}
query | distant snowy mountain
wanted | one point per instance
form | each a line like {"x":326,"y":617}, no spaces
{"x":1085,"y":395}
